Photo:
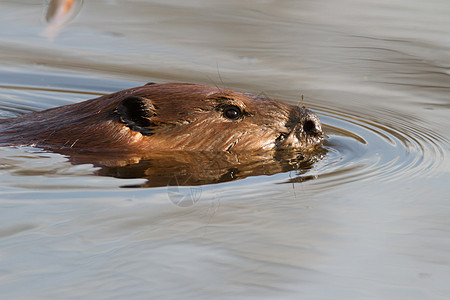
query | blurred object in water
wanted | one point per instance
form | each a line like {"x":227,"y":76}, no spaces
{"x":58,"y":13}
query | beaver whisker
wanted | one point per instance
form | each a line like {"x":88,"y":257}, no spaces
{"x":73,"y":144}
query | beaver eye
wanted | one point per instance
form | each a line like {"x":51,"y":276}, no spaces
{"x":232,"y":112}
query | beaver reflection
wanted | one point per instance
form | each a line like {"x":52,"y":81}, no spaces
{"x":198,"y":168}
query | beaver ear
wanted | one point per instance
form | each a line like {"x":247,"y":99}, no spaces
{"x":136,"y":113}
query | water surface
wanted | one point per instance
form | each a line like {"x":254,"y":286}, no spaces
{"x":367,"y":221}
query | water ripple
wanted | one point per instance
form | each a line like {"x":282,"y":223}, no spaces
{"x":367,"y":149}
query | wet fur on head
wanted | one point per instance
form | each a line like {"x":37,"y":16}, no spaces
{"x":175,"y":116}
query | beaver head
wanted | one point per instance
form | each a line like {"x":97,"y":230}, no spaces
{"x":173,"y":116}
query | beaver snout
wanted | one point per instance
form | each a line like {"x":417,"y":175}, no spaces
{"x":310,"y":125}
{"x":304,"y":130}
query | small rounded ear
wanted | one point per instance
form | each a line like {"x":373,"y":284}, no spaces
{"x":136,"y":113}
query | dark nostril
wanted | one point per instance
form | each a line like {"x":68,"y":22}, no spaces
{"x":309,"y":127}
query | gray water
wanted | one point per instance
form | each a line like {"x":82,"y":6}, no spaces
{"x":370,"y":220}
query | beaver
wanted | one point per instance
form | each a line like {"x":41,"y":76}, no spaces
{"x":168,"y":117}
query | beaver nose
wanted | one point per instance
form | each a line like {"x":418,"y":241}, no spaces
{"x":311,"y":124}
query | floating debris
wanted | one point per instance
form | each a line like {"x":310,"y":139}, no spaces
{"x":59,"y":13}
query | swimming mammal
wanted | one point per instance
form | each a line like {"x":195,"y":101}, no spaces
{"x":171,"y":116}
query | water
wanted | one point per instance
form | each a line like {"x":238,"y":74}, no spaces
{"x":367,"y":221}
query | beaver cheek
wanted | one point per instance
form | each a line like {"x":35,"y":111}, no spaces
{"x":254,"y":140}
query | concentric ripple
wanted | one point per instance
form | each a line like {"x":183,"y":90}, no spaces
{"x":386,"y":147}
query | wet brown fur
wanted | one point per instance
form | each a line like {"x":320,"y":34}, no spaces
{"x":186,"y":117}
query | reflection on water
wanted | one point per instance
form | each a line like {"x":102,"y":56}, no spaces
{"x":369,"y":219}
{"x":188,"y":169}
